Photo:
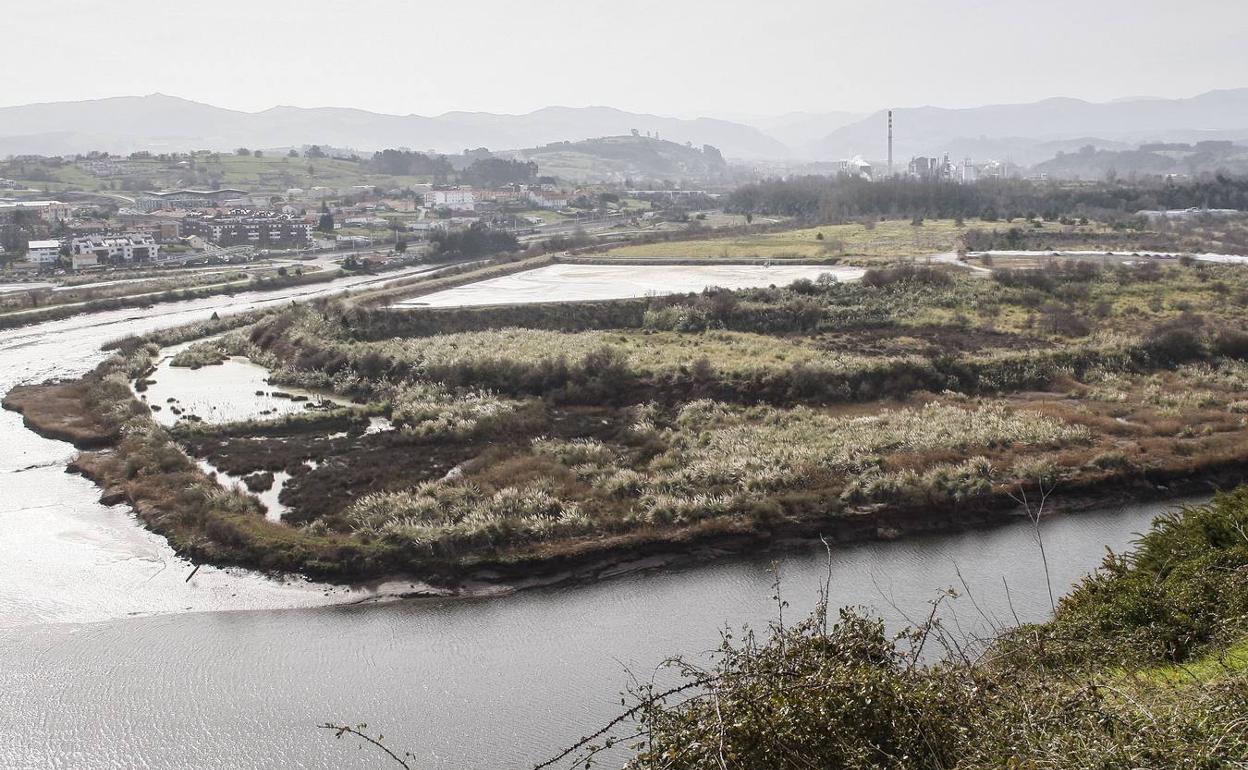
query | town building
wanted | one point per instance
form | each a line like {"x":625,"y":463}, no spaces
{"x":162,"y":230}
{"x":49,"y":211}
{"x":83,"y":261}
{"x":43,"y":253}
{"x":116,"y":249}
{"x":244,"y":227}
{"x":165,"y":227}
{"x":456,"y":199}
{"x":186,"y":199}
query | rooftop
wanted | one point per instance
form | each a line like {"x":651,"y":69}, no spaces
{"x":205,"y":193}
{"x":29,"y":204}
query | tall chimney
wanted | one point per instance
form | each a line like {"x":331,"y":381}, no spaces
{"x":890,"y":142}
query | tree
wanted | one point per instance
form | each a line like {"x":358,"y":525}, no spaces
{"x":293,"y":153}
{"x":315,"y":151}
{"x":400,"y":246}
{"x":1044,"y":476}
{"x":477,"y":241}
{"x":408,"y":163}
{"x":243,"y":152}
{"x":326,"y":222}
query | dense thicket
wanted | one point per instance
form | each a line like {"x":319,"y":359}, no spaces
{"x":478,"y":240}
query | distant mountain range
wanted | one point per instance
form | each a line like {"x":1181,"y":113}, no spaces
{"x":1030,"y":133}
{"x":1024,"y":133}
{"x":165,"y":123}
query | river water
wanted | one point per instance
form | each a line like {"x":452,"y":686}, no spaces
{"x":111,"y":658}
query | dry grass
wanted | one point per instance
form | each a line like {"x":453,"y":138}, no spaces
{"x":890,"y":239}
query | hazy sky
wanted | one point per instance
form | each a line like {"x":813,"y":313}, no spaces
{"x":679,"y":57}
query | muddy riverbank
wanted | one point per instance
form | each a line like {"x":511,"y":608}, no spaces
{"x":243,"y":539}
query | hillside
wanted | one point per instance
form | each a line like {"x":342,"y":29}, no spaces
{"x":164,"y":123}
{"x":617,"y":158}
{"x":1155,"y":160}
{"x":1023,"y":132}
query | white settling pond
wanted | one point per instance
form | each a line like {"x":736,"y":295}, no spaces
{"x":564,"y":283}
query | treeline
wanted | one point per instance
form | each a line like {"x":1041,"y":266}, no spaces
{"x":1048,"y":239}
{"x":826,"y":199}
{"x":483,"y":172}
{"x":496,"y":172}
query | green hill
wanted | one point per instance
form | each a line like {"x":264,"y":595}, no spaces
{"x":617,"y":158}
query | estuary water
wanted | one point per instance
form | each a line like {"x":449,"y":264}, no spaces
{"x":111,"y":658}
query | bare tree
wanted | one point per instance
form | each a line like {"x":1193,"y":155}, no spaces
{"x":1033,"y":505}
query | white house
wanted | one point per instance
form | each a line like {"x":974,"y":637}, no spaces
{"x":43,"y":252}
{"x":548,"y":200}
{"x":80,"y":261}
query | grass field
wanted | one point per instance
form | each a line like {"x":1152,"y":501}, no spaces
{"x":280,"y":173}
{"x":890,"y":239}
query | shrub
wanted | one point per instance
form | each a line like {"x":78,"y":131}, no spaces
{"x":1175,"y":342}
{"x":1231,"y":343}
{"x":910,"y":273}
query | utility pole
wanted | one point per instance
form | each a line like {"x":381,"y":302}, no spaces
{"x":890,"y":143}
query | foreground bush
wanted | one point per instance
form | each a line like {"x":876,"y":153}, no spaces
{"x":849,"y":695}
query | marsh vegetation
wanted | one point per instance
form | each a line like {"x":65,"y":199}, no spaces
{"x":922,"y":398}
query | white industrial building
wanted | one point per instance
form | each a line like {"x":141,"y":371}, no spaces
{"x":43,"y":252}
{"x":855,"y":167}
